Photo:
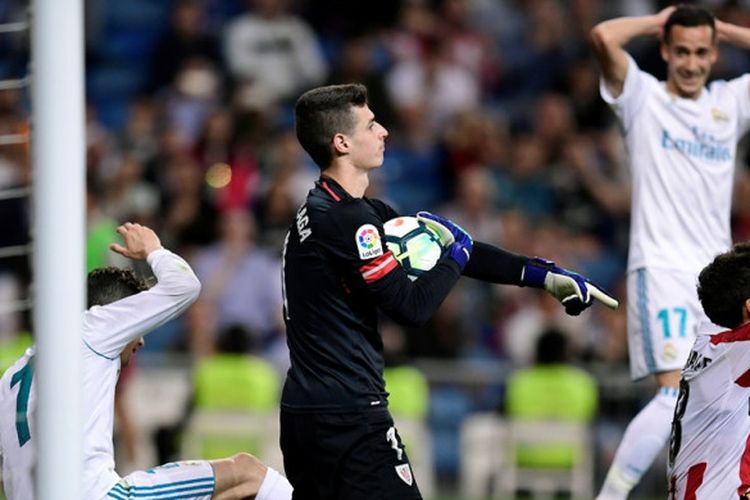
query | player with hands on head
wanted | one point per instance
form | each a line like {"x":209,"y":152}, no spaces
{"x":121,"y":310}
{"x":337,"y":436}
{"x":681,"y":135}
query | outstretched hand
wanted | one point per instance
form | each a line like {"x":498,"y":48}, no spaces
{"x":139,"y":241}
{"x":574,"y":292}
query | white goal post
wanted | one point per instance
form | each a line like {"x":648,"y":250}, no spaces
{"x":58,"y":156}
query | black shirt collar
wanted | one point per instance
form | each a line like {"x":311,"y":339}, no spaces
{"x":333,"y":188}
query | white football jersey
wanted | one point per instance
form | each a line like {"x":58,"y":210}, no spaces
{"x":709,"y":450}
{"x":106,"y":331}
{"x":17,"y":406}
{"x":682,"y":158}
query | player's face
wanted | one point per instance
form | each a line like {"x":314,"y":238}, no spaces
{"x":129,"y":350}
{"x":689,"y":56}
{"x":367,"y":139}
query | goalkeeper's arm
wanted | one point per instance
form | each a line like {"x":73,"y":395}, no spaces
{"x":576,"y":293}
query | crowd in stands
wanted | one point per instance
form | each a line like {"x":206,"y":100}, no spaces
{"x":495,"y":121}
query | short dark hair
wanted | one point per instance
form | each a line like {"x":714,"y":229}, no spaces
{"x":724,"y":286}
{"x":551,"y":347}
{"x":109,"y":284}
{"x":323,"y":112}
{"x":689,"y":16}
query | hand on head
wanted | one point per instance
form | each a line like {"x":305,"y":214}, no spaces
{"x":139,"y":241}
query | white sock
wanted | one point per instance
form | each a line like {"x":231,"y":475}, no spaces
{"x":274,"y":487}
{"x":644,"y":438}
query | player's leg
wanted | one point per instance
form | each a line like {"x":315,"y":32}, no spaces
{"x":376,"y":466}
{"x":244,"y":476}
{"x":644,"y":438}
{"x":345,"y":456}
{"x":663,"y":315}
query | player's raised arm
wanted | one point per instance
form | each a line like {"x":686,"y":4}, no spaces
{"x":609,"y":37}
{"x":733,"y":34}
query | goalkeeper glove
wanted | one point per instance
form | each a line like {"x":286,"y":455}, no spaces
{"x":574,"y":291}
{"x":457,"y":241}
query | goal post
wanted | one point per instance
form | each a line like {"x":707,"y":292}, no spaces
{"x":58,"y":194}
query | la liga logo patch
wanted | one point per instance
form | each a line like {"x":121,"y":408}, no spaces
{"x":368,"y":242}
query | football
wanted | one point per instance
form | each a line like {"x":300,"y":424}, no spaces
{"x":416,"y":247}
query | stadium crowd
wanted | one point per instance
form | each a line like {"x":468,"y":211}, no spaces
{"x":495,"y":121}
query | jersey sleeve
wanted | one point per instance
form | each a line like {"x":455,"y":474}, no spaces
{"x":628,"y":104}
{"x":740,"y":89}
{"x":355,"y":238}
{"x":109,"y":328}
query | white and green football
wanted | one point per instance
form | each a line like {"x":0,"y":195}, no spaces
{"x":416,"y":246}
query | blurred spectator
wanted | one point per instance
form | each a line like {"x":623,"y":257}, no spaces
{"x":272,"y":54}
{"x":524,"y":184}
{"x":552,"y":120}
{"x":194,"y":94}
{"x":474,"y":206}
{"x":185,"y":39}
{"x":189,"y":217}
{"x":590,"y":112}
{"x":289,"y":178}
{"x":433,"y":82}
{"x":356,"y":64}
{"x":130,"y":197}
{"x":102,"y":152}
{"x":241,"y":281}
{"x":466,"y":44}
{"x":15,"y":219}
{"x":521,"y":331}
{"x":229,"y":160}
{"x":139,"y":135}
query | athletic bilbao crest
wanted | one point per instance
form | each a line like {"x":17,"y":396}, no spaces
{"x":404,"y":472}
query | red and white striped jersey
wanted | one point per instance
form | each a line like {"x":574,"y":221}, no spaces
{"x":709,"y":450}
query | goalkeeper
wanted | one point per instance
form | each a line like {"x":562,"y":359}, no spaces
{"x":338,"y":439}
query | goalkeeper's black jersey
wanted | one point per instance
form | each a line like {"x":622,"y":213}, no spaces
{"x":337,"y":273}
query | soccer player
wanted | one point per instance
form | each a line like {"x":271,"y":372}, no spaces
{"x":709,"y":451}
{"x":121,"y":310}
{"x":681,"y":136}
{"x":337,"y":436}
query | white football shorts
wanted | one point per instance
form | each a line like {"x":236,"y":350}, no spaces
{"x":664,"y":317}
{"x":192,"y":480}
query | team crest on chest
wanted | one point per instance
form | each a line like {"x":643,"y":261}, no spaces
{"x":368,"y":242}
{"x":719,"y":116}
{"x":404,"y":473}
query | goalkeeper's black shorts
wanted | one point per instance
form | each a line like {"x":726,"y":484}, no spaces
{"x":346,"y":456}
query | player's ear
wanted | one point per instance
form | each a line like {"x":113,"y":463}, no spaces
{"x":341,"y":143}
{"x":664,"y":50}
{"x":746,"y":311}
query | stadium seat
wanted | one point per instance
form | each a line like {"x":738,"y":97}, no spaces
{"x":545,"y":475}
{"x":482,"y":440}
{"x":549,"y":409}
{"x":408,"y":402}
{"x":236,"y":409}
